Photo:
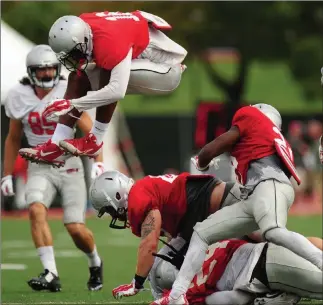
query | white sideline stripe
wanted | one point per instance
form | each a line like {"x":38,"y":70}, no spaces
{"x":13,"y":267}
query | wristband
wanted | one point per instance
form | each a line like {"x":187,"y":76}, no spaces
{"x":139,"y":281}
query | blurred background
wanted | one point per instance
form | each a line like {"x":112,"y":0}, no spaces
{"x":239,"y":53}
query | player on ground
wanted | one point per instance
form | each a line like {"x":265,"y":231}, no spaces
{"x":24,"y":107}
{"x":236,"y":272}
{"x":114,"y":54}
{"x":263,"y":162}
{"x":167,"y":205}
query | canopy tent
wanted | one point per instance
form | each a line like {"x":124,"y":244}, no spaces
{"x":14,"y":49}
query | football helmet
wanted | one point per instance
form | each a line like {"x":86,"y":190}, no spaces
{"x":109,"y":194}
{"x":271,"y":112}
{"x":71,"y":39}
{"x":165,"y":275}
{"x":42,"y":56}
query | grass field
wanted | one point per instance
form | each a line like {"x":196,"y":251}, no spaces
{"x":117,"y":248}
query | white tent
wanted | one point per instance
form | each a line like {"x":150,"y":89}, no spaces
{"x":14,"y":49}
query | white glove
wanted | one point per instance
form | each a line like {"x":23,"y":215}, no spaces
{"x":321,"y":149}
{"x":7,"y":186}
{"x":97,"y":169}
{"x":214,"y":163}
{"x":127,"y":290}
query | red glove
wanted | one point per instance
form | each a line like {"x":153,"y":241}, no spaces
{"x":127,"y":290}
{"x":57,"y":108}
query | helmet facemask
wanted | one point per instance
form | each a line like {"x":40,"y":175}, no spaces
{"x":76,"y":59}
{"x":46,"y":82}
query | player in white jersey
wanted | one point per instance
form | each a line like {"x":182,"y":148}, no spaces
{"x":237,"y":272}
{"x":114,"y":54}
{"x":24,"y":106}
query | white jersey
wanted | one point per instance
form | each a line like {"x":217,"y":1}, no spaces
{"x":23,"y":104}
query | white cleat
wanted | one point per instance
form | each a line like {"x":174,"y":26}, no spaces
{"x":278,"y":298}
{"x":167,"y":300}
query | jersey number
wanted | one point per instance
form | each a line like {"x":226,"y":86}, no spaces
{"x":39,"y":125}
{"x":114,"y":16}
{"x":283,"y":145}
{"x":168,"y":178}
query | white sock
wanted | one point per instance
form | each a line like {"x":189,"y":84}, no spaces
{"x":46,"y":255}
{"x":193,"y":262}
{"x":62,"y":132}
{"x":99,"y":129}
{"x":94,"y":258}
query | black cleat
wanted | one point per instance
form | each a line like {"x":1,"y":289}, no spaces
{"x":95,"y":281}
{"x":45,"y":281}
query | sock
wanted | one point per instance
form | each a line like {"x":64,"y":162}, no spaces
{"x":99,"y":129}
{"x":296,"y":243}
{"x":193,"y":262}
{"x":94,"y":258}
{"x":62,"y":132}
{"x":46,"y":255}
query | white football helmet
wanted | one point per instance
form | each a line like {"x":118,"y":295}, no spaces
{"x":272,"y":113}
{"x":109,"y":194}
{"x":165,"y":275}
{"x":71,"y":39}
{"x":42,"y":56}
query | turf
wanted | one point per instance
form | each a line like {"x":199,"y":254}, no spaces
{"x":118,"y":249}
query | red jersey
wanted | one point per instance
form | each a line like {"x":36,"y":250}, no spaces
{"x":259,"y":138}
{"x":205,"y":281}
{"x":114,"y":34}
{"x":167,"y":193}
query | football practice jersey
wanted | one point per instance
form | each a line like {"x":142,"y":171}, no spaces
{"x":259,"y":138}
{"x":23,"y":104}
{"x":114,"y":34}
{"x":167,"y":193}
{"x":205,"y":281}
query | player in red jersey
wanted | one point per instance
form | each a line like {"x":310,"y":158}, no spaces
{"x":263,"y":162}
{"x":110,"y":54}
{"x":237,"y":272}
{"x":158,"y":205}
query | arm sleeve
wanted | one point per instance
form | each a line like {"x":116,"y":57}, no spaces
{"x":111,"y":93}
{"x":234,"y":297}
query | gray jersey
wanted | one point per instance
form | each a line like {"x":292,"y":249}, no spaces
{"x":266,"y":168}
{"x":23,"y":104}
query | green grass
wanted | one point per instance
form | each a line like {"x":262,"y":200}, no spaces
{"x":118,"y":249}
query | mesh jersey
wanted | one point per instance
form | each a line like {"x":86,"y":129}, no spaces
{"x":258,"y":136}
{"x":23,"y":104}
{"x":114,"y":34}
{"x":167,"y":193}
{"x":205,"y":281}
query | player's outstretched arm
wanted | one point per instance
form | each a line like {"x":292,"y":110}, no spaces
{"x":218,"y":146}
{"x":150,"y":232}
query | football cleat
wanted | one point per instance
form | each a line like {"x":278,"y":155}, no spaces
{"x":277,"y":298}
{"x":86,"y":146}
{"x":167,"y":300}
{"x":47,"y":153}
{"x":95,"y":281}
{"x":45,"y":281}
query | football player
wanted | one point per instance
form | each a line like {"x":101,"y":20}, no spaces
{"x":168,"y":205}
{"x":24,"y":106}
{"x":237,"y":272}
{"x":114,"y":54}
{"x":263,"y":162}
